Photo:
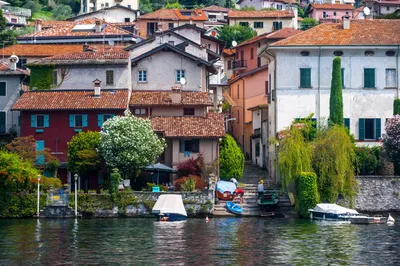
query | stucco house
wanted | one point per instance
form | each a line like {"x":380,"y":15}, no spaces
{"x":15,"y":16}
{"x":115,"y":13}
{"x":277,"y":4}
{"x":301,"y":68}
{"x":382,"y":7}
{"x":264,"y":21}
{"x":217,"y":17}
{"x":88,"y":6}
{"x":329,"y":12}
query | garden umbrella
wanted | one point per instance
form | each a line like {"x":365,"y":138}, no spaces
{"x":159,"y":167}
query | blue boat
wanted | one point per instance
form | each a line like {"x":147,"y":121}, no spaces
{"x":234,"y":208}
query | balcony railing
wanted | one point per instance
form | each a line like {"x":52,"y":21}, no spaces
{"x":13,"y":10}
{"x":239,"y":64}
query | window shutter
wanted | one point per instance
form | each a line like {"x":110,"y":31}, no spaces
{"x":347,"y":123}
{"x":308,"y":78}
{"x":361,"y":131}
{"x":112,"y":115}
{"x":46,"y":121}
{"x":378,"y":128}
{"x":181,"y":146}
{"x":33,"y":120}
{"x":302,"y":78}
{"x":71,"y":120}
{"x":84,"y":120}
{"x":99,"y":120}
{"x":342,"y":74}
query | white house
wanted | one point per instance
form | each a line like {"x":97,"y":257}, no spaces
{"x":301,"y":68}
{"x":116,"y":13}
{"x":277,"y":4}
{"x":94,"y":5}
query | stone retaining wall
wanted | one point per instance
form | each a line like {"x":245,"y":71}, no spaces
{"x":378,"y":194}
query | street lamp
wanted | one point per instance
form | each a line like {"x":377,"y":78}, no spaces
{"x":76,"y":196}
{"x":38,"y":196}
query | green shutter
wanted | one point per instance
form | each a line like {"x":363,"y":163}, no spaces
{"x":46,"y":121}
{"x":3,"y":122}
{"x":378,"y":128}
{"x":99,"y":120}
{"x":342,"y":78}
{"x":347,"y":123}
{"x":361,"y":131}
{"x":84,"y":120}
{"x":33,"y":120}
{"x":71,"y":121}
{"x":302,"y":78}
{"x":39,"y":149}
{"x":369,"y":78}
{"x":308,"y":77}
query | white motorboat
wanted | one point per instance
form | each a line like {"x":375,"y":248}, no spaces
{"x":329,"y":211}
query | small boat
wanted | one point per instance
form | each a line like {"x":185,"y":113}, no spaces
{"x":225,"y":190}
{"x":267,"y":199}
{"x":390,"y":220}
{"x":169,"y":208}
{"x":234,"y":208}
{"x":363,"y":219}
{"x":328,"y":211}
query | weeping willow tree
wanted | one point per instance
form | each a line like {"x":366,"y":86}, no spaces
{"x":295,"y":155}
{"x":333,"y":162}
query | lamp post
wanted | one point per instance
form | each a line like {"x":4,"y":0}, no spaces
{"x":38,"y":196}
{"x":76,"y":196}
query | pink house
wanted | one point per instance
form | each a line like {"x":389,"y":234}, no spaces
{"x":329,"y":12}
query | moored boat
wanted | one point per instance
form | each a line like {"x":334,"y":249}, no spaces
{"x":390,"y":220}
{"x":225,"y":190}
{"x":267,"y":199}
{"x":328,"y":211}
{"x":169,"y":208}
{"x":362,"y":219}
{"x":234,"y":208}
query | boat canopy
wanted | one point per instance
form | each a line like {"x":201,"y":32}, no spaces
{"x":169,"y":203}
{"x":223,"y":186}
{"x":333,"y":208}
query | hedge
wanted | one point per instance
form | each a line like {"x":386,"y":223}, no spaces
{"x":306,"y":193}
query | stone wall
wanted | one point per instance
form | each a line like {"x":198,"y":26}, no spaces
{"x":378,"y":194}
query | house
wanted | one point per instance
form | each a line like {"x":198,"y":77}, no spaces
{"x":15,"y":16}
{"x":164,"y":19}
{"x":302,"y":67}
{"x":249,"y":86}
{"x":259,"y":143}
{"x":277,"y":4}
{"x":382,"y":7}
{"x":88,"y":6}
{"x":264,"y":21}
{"x":12,"y":81}
{"x":217,"y":17}
{"x":115,"y":13}
{"x":329,"y":12}
{"x":88,"y":31}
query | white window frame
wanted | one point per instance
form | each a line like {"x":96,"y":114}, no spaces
{"x":181,"y":75}
{"x":113,"y":78}
{"x":140,"y":76}
{"x":140,"y":111}
{"x":386,"y":78}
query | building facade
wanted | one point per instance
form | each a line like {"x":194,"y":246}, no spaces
{"x":88,"y":6}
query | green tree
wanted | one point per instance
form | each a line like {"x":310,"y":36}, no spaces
{"x":308,"y":23}
{"x":231,"y":158}
{"x":82,"y":152}
{"x":336,"y":97}
{"x":62,"y":12}
{"x":393,"y":15}
{"x":300,"y":12}
{"x":396,"y":107}
{"x":145,"y":6}
{"x":235,"y":33}
{"x":248,"y":8}
{"x":115,"y":179}
{"x":391,"y":141}
{"x":129,"y":143}
{"x":34,"y":6}
{"x":175,"y":5}
{"x":3,"y":21}
{"x":307,"y":195}
{"x":230,"y":4}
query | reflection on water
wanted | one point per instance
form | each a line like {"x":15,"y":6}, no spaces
{"x":224,"y":241}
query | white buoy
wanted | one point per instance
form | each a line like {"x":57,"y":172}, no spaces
{"x":207,"y":219}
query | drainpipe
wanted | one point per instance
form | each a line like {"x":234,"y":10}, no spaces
{"x":319,"y":87}
{"x":397,"y":67}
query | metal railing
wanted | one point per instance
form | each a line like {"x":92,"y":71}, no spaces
{"x":16,"y":11}
{"x":239,"y":64}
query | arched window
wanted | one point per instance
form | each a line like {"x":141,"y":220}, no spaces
{"x":369,"y":53}
{"x":390,"y":53}
{"x":305,"y":53}
{"x":338,"y":53}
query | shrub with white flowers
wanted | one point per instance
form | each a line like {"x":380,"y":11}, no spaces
{"x":129,"y":143}
{"x":391,"y":141}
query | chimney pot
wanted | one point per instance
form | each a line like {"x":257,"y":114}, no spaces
{"x":98,"y":26}
{"x":176,"y":96}
{"x":13,"y":62}
{"x":38,"y":25}
{"x":85,"y":48}
{"x":346,"y":22}
{"x":97,"y":88}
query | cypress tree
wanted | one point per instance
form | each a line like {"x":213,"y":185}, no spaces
{"x":336,"y":98}
{"x":396,"y":107}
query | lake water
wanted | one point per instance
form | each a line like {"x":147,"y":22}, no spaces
{"x":222,"y":241}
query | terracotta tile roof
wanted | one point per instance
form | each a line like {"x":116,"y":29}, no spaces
{"x":162,"y":98}
{"x":174,"y":14}
{"x":40,"y":50}
{"x":5,"y":70}
{"x":211,"y":126}
{"x":333,"y":6}
{"x":46,"y":24}
{"x":261,"y":14}
{"x":72,"y":100}
{"x":229,"y":52}
{"x":89,"y":55}
{"x":361,"y":32}
{"x":216,"y":8}
{"x":279,"y":34}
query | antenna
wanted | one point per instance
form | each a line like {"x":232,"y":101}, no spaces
{"x":366,"y":11}
{"x":234,"y":43}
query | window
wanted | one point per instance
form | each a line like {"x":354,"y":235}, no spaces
{"x":369,"y":129}
{"x":229,"y":64}
{"x":101,"y":118}
{"x":279,"y":7}
{"x":369,"y":77}
{"x":237,"y":87}
{"x":2,"y":122}
{"x":189,"y":145}
{"x":55,"y":78}
{"x":258,"y":25}
{"x":129,"y":6}
{"x":140,"y":111}
{"x":342,"y":78}
{"x":3,"y":88}
{"x":266,"y":87}
{"x":252,"y":53}
{"x":212,"y":16}
{"x":387,"y":8}
{"x":305,"y":77}
{"x":170,"y":25}
{"x":78,"y":120}
{"x":390,"y":78}
{"x":338,"y":53}
{"x":305,"y":53}
{"x":245,"y":24}
{"x":179,"y":74}
{"x":257,"y":149}
{"x":109,"y":77}
{"x":39,"y":121}
{"x":22,"y":63}
{"x":171,"y":43}
{"x":107,"y":4}
{"x":369,"y":53}
{"x":188,"y":111}
{"x":276,"y":25}
{"x":186,"y":13}
{"x":334,"y":14}
{"x":127,"y":20}
{"x":390,"y":53}
{"x":142,"y":76}
{"x":346,"y":122}
{"x":324,"y":14}
{"x":151,"y":28}
{"x":238,"y":116}
{"x":258,"y":61}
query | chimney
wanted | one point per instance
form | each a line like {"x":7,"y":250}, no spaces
{"x":346,"y":22}
{"x":97,"y":88}
{"x":86,"y":48}
{"x":13,"y":62}
{"x":97,"y":28}
{"x":38,"y":25}
{"x":176,"y":96}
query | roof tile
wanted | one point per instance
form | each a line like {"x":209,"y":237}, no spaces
{"x":333,"y":6}
{"x":215,"y":8}
{"x":175,"y":14}
{"x":162,"y":98}
{"x":261,"y":14}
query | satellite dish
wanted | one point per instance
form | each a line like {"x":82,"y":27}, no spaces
{"x":111,"y":42}
{"x":366,"y":11}
{"x":91,"y":5}
{"x":183,"y":81}
{"x":234,"y":43}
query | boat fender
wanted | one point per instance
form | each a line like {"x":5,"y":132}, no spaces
{"x":164,"y":219}
{"x":207,"y":219}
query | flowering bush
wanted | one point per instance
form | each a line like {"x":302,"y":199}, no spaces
{"x":391,"y":141}
{"x":199,"y":183}
{"x":129,"y":143}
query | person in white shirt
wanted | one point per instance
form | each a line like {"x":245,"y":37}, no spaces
{"x":260,"y":187}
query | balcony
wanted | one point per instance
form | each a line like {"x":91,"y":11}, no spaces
{"x":18,"y":11}
{"x":239,"y":64}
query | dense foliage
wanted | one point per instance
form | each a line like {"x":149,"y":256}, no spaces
{"x":115,"y":180}
{"x":368,"y":160}
{"x":231,"y":158}
{"x":396,"y":107}
{"x":308,"y":23}
{"x":41,"y":77}
{"x":129,"y":143}
{"x":336,"y":97}
{"x":61,"y":12}
{"x":307,"y":195}
{"x":235,"y":33}
{"x":82,"y":152}
{"x":199,"y":183}
{"x":19,"y":205}
{"x":391,"y":141}
{"x":175,"y":5}
{"x":191,"y":166}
